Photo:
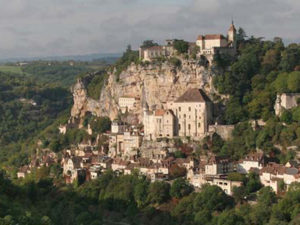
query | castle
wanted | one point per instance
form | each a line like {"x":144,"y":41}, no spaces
{"x":188,"y":116}
{"x":211,"y":44}
{"x":208,"y":44}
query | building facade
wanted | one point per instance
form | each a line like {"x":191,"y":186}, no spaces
{"x":188,"y":116}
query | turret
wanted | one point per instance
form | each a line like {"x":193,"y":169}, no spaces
{"x":232,"y":35}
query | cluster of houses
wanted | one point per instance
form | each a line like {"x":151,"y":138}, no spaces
{"x":141,"y":149}
{"x":210,"y":169}
{"x":148,"y":149}
{"x":208,"y":46}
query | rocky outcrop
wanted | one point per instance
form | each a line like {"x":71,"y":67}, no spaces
{"x":154,"y":84}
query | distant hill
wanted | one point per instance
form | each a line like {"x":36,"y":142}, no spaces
{"x":109,"y":57}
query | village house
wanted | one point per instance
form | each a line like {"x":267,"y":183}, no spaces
{"x":217,"y":165}
{"x":118,"y":127}
{"x":72,"y":168}
{"x":119,"y":164}
{"x":94,"y":172}
{"x":286,"y":101}
{"x":125,"y":144}
{"x":275,"y":175}
{"x":212,"y":172}
{"x":187,"y":163}
{"x":250,"y":162}
{"x":23,"y":171}
{"x":225,"y":184}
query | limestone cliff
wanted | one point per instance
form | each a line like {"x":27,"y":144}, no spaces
{"x":155,"y":84}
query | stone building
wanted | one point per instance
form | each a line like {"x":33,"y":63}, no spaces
{"x":250,"y":162}
{"x":286,"y":101}
{"x":124,"y":144}
{"x":188,"y":116}
{"x":150,"y":53}
{"x":273,"y":175}
{"x":127,"y":103}
{"x":193,"y":112}
{"x":210,"y":44}
{"x":158,"y":123}
{"x":218,"y":166}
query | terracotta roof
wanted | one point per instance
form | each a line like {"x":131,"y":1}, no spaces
{"x":214,"y":36}
{"x":193,"y":95}
{"x":200,"y":37}
{"x":217,"y":159}
{"x":159,"y":112}
{"x":254,"y":156}
{"x":273,"y":168}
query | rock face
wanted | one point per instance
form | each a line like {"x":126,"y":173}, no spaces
{"x":154,"y":84}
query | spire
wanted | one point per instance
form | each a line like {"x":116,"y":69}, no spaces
{"x":232,"y":27}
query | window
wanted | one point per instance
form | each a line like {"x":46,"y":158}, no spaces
{"x":189,"y":109}
{"x":199,"y":125}
{"x":189,"y":126}
{"x":179,"y":126}
{"x":179,"y":109}
{"x":184,"y":116}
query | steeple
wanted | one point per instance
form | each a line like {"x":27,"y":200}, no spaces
{"x":232,"y":35}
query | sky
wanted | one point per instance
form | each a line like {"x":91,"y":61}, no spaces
{"x":33,"y":28}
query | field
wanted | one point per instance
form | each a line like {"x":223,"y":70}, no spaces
{"x":11,"y":69}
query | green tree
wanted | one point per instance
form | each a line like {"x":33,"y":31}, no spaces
{"x":293,"y":82}
{"x":158,"y":192}
{"x":180,"y":188}
{"x":148,"y":44}
{"x":181,"y":46}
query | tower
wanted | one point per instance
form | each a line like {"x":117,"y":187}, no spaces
{"x":232,"y":35}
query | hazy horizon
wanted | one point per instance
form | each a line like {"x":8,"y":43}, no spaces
{"x":34,"y":28}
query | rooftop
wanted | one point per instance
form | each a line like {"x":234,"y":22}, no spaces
{"x":193,"y":95}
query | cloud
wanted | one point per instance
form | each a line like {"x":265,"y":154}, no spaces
{"x":64,"y":27}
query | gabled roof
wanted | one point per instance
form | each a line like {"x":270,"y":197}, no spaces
{"x":193,"y":95}
{"x":211,"y":37}
{"x":214,"y":36}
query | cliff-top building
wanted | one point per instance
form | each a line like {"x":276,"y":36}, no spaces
{"x":210,"y":44}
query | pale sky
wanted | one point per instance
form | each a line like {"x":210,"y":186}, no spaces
{"x":70,"y":27}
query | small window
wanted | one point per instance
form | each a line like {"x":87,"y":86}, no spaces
{"x":199,"y":125}
{"x":179,"y":127}
{"x":189,"y":126}
{"x":179,"y":109}
{"x":189,"y":109}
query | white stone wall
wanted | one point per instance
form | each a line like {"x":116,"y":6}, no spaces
{"x":192,"y":118}
{"x":245,"y":166}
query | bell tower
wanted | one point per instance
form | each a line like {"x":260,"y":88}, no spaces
{"x":232,"y":35}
